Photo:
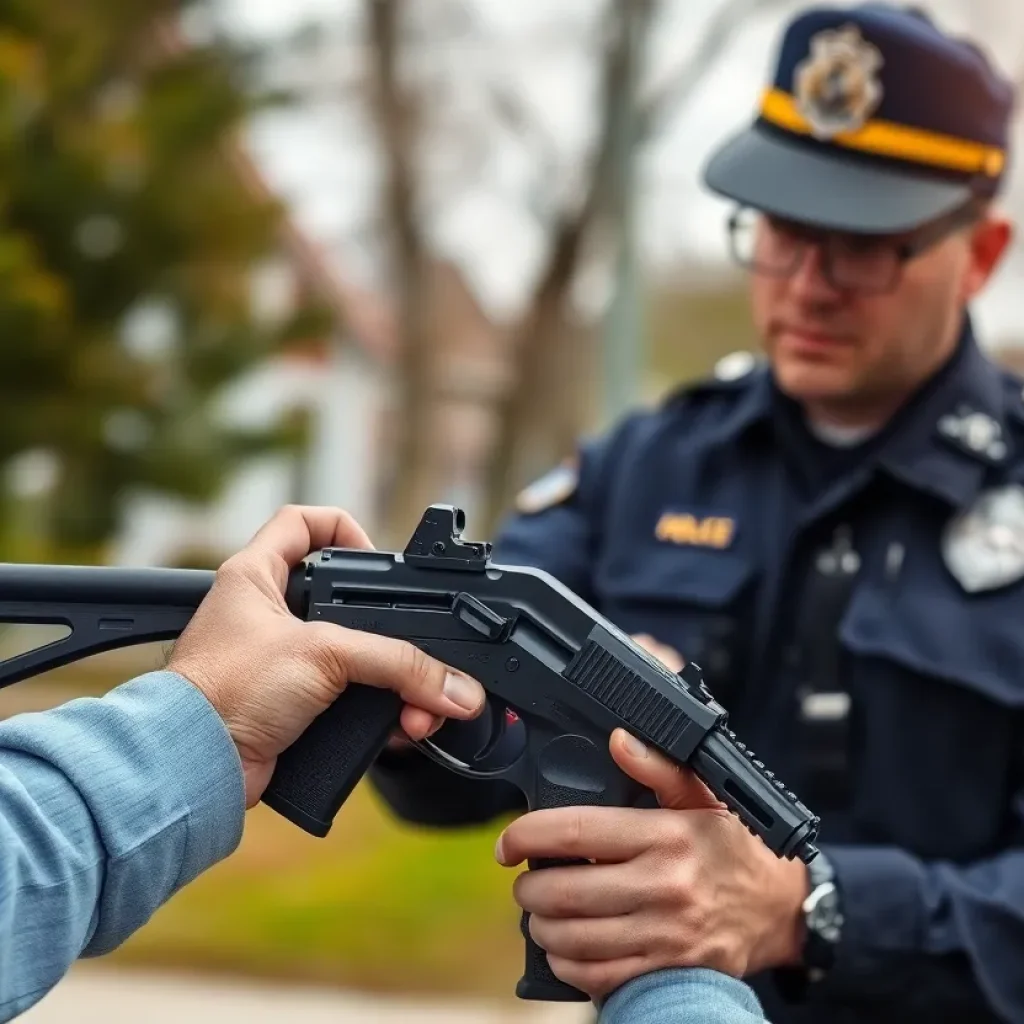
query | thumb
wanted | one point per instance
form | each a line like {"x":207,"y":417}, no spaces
{"x":351,"y":656}
{"x":676,"y":788}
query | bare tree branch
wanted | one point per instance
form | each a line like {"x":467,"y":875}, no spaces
{"x":511,"y":111}
{"x":531,"y":399}
{"x":677,"y":90}
{"x":396,"y":117}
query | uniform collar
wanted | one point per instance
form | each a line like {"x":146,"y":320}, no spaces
{"x":945,"y":438}
{"x":954,"y":431}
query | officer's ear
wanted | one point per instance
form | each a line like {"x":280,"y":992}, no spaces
{"x":989,"y":239}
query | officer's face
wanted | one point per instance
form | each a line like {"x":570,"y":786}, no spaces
{"x":853,"y":330}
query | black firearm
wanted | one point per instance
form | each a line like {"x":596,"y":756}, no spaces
{"x":559,"y":679}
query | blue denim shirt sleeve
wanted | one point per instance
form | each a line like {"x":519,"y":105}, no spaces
{"x":683,"y":996}
{"x":108,"y":806}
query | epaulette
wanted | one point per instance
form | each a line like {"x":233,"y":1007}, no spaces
{"x":731,"y":373}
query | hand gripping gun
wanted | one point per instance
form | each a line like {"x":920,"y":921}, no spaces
{"x":558,"y":675}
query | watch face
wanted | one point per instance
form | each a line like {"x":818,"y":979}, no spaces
{"x":823,"y":916}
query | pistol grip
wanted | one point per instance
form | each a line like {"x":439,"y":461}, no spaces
{"x":538,"y":980}
{"x":572,"y":771}
{"x":318,"y":772}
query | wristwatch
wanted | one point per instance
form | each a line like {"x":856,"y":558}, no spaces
{"x":823,"y":918}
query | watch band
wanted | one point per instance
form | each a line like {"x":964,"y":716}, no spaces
{"x":823,"y":918}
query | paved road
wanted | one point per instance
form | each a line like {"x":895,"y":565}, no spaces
{"x":97,"y":995}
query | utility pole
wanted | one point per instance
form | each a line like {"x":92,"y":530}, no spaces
{"x":623,"y":334}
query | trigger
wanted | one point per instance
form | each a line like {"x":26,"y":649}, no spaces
{"x":507,"y":744}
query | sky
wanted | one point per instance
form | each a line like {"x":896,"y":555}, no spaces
{"x":490,"y":212}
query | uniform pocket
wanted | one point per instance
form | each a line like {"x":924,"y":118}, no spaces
{"x":694,"y":600}
{"x":937,"y":681}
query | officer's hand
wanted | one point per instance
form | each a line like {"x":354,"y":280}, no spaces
{"x":668,"y":655}
{"x":269,"y":674}
{"x":683,"y":886}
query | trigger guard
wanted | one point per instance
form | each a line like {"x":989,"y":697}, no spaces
{"x":480,"y":749}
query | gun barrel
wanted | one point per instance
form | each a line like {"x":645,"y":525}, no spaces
{"x":80,"y":584}
{"x":766,"y":806}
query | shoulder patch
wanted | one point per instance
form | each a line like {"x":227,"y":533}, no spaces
{"x":735,"y":366}
{"x":983,"y":547}
{"x":732,"y":373}
{"x":554,"y":487}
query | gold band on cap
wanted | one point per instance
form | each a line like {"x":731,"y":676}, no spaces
{"x":886,"y":138}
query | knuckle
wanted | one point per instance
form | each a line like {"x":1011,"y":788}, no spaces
{"x":574,"y":829}
{"x":319,"y":648}
{"x":414,"y":665}
{"x":566,"y":896}
{"x":232,"y":570}
{"x":540,"y":932}
{"x":521,"y":886}
{"x":679,"y":883}
{"x":675,"y":834}
{"x":597,"y":977}
{"x":552,"y":893}
{"x":723,"y":952}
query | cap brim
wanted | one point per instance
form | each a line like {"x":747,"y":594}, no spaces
{"x":757,"y":168}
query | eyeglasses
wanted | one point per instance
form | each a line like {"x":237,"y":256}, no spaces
{"x":867,"y":264}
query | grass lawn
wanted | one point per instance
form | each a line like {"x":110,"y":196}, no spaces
{"x":374,"y":906}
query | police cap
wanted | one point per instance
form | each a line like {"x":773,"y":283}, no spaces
{"x":876,"y":121}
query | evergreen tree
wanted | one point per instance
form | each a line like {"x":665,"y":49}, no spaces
{"x":120,"y":204}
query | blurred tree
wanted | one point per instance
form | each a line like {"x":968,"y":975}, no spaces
{"x":412,"y":79}
{"x":128,"y":242}
{"x":399,"y":121}
{"x":552,"y":398}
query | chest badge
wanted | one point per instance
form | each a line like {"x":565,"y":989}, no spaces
{"x":984,"y":547}
{"x":688,"y":530}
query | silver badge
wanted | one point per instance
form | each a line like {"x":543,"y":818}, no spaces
{"x":735,"y":365}
{"x":984,"y":546}
{"x":837,"y":87}
{"x":977,"y":432}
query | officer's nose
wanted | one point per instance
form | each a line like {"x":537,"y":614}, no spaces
{"x":809,"y":282}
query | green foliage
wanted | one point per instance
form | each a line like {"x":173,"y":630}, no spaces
{"x":120,"y":195}
{"x":345,"y":911}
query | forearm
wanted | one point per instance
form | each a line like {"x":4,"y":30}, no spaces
{"x":957,"y":930}
{"x":693,"y":995}
{"x":108,"y":806}
{"x":421,"y":792}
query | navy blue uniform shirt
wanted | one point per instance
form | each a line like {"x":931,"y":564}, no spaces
{"x":716,"y":523}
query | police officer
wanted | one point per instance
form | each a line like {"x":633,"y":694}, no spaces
{"x":836,"y":534}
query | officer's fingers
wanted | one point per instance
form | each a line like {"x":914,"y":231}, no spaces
{"x":666,"y":655}
{"x":676,"y":788}
{"x":601,"y":938}
{"x":599,"y":977}
{"x":588,"y":890}
{"x":609,"y":835}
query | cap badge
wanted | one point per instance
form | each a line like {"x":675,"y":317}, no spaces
{"x":836,"y":87}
